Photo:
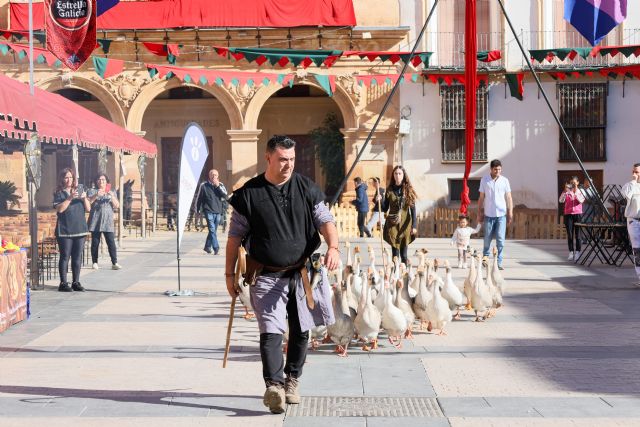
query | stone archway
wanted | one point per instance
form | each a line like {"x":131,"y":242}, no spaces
{"x":155,"y":88}
{"x":100,"y":92}
{"x":340,"y":97}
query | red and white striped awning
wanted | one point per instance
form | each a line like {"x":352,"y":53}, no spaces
{"x":58,"y":120}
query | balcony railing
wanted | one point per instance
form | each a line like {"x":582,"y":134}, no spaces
{"x":450,"y":49}
{"x":568,"y":39}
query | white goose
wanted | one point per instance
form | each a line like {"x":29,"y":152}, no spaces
{"x":422,"y":298}
{"x":357,"y":283}
{"x":470,"y":280}
{"x":438,"y":308}
{"x":380,"y":300}
{"x":451,"y":293}
{"x":393,"y":320}
{"x":496,"y":296}
{"x":403,"y":302}
{"x":496,"y":275}
{"x":342,"y":330}
{"x":481,"y":299}
{"x":368,"y":320}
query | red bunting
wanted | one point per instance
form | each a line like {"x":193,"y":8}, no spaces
{"x":49,"y":57}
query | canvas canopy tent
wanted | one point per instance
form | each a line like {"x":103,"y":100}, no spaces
{"x":60,"y":121}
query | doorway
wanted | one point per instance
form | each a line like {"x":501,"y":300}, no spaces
{"x":305,"y":156}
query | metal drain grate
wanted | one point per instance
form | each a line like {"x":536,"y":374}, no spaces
{"x":366,"y":407}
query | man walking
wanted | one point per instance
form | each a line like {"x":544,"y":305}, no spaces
{"x":210,"y":201}
{"x":631,"y":191}
{"x":277,"y":216}
{"x":362,"y":206}
{"x":495,"y":209}
{"x":376,"y":217}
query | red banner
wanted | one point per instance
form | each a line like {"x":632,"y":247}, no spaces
{"x":71,"y":30}
{"x":470,"y":64}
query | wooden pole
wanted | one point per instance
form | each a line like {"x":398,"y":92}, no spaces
{"x":121,"y":201}
{"x":227,"y":346}
{"x":155,"y":194}
{"x":143,"y":209}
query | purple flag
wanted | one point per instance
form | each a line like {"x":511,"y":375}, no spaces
{"x":594,"y":19}
{"x":104,"y":5}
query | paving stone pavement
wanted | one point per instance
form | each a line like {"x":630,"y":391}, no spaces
{"x":562,"y":351}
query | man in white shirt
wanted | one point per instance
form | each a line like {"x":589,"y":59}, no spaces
{"x":495,"y":208}
{"x":631,"y":191}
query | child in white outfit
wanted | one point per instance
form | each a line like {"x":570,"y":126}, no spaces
{"x":461,"y":238}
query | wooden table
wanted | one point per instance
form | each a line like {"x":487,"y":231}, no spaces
{"x":13,"y":288}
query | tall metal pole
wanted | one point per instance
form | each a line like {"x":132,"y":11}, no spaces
{"x":553,"y":113}
{"x":31,"y":81}
{"x":33,"y":212}
{"x":34,"y":275}
{"x":386,"y":104}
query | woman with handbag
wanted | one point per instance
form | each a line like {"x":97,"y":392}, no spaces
{"x":400,"y":227}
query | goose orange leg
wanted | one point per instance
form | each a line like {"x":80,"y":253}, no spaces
{"x":408,"y":334}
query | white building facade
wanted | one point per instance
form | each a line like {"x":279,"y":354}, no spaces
{"x":601,"y":114}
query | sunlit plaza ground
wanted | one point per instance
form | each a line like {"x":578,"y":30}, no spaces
{"x":562,"y":351}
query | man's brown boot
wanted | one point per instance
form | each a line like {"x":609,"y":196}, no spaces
{"x":274,"y":398}
{"x":291,"y":390}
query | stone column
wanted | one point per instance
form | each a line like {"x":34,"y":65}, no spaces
{"x":244,"y":156}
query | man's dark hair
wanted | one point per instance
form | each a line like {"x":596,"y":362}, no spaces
{"x":357,"y":180}
{"x":281,"y":141}
{"x":637,"y":165}
{"x":495,"y":163}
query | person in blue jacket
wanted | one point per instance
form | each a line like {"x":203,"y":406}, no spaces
{"x":362,"y":206}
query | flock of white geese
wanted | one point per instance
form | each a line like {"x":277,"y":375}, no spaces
{"x":390,"y":297}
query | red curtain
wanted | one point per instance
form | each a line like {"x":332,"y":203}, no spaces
{"x":470,"y":58}
{"x":208,"y":13}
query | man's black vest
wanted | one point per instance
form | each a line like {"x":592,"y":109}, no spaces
{"x":282,"y":231}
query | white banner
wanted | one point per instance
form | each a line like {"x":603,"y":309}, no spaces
{"x":194,"y":153}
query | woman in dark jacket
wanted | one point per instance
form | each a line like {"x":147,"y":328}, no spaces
{"x":401,"y":224}
{"x":71,"y":203}
{"x":362,"y":206}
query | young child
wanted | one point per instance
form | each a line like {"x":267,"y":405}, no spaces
{"x":461,"y":238}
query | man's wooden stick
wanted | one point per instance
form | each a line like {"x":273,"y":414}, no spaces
{"x":229,"y":326}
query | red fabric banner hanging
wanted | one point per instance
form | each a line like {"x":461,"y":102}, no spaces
{"x":164,"y":14}
{"x":470,"y":62}
{"x":71,"y":30}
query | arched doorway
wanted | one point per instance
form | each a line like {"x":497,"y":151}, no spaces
{"x":87,"y":158}
{"x":164,"y":121}
{"x":296,"y":111}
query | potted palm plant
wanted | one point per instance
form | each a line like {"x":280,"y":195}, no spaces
{"x":8,"y":197}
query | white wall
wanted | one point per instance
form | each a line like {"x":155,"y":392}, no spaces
{"x":523,"y":135}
